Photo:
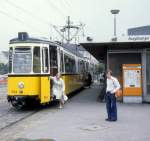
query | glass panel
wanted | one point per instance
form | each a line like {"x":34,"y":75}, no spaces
{"x":10,"y":59}
{"x":45,"y":64}
{"x":87,"y":66}
{"x":36,"y":60}
{"x":61,"y":62}
{"x":70,"y":66}
{"x":78,"y":66}
{"x":53,"y":56}
{"x":148,"y":72}
{"x":73,"y":63}
{"x":22,"y":60}
{"x":67,"y":65}
{"x":82,"y":66}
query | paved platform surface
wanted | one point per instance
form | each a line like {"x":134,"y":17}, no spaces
{"x":83,"y":119}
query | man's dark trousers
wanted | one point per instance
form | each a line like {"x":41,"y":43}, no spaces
{"x":111,"y":106}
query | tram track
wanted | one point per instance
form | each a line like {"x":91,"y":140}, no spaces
{"x":5,"y":113}
{"x":9,"y":119}
{"x":10,"y":116}
{"x":9,"y":122}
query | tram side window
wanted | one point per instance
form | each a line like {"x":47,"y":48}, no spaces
{"x":53,"y":56}
{"x":36,"y":60}
{"x":79,"y":69}
{"x":10,"y":59}
{"x":70,"y":66}
{"x":61,"y":62}
{"x":67,"y":64}
{"x":87,"y":66}
{"x":45,"y":64}
{"x":81,"y":66}
{"x":73,"y":66}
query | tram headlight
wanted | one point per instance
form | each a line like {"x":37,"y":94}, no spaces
{"x":21,"y":85}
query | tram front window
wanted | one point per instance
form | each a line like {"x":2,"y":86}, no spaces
{"x":22,"y":60}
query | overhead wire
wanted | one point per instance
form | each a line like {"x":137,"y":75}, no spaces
{"x":67,"y":3}
{"x":32,"y":15}
{"x":67,"y":7}
{"x":18,"y":20}
{"x":52,"y":5}
{"x":27,"y":12}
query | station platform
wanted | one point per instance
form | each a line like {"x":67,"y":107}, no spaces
{"x":83,"y":119}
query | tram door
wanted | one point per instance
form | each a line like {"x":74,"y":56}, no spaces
{"x":53,"y":60}
{"x":45,"y":82}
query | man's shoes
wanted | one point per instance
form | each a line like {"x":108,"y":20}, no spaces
{"x":107,"y":119}
{"x":114,"y":120}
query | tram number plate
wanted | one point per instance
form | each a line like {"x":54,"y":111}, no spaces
{"x":14,"y":91}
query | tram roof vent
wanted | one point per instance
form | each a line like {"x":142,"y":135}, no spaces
{"x":58,"y":42}
{"x":22,"y":36}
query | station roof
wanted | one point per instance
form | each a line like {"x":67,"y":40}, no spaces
{"x":98,"y":50}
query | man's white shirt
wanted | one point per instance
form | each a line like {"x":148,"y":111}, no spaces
{"x":112,"y":85}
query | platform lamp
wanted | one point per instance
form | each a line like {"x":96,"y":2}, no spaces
{"x":115,"y":12}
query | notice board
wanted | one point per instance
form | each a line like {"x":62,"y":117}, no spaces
{"x":132,"y":80}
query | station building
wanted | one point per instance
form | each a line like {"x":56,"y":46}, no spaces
{"x":130,"y":63}
{"x":143,"y":30}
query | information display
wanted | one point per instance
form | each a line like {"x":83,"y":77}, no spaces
{"x":132,"y":80}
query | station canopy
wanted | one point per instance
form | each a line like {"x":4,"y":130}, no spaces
{"x":99,"y":50}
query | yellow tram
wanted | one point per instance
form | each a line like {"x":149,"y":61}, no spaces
{"x":33,"y":60}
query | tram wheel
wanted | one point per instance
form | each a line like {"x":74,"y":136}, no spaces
{"x":18,"y":104}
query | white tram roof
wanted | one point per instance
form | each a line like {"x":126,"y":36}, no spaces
{"x":24,"y":38}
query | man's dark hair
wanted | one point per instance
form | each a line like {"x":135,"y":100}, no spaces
{"x":110,"y":71}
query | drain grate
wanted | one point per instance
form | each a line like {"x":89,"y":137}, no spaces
{"x":93,"y":127}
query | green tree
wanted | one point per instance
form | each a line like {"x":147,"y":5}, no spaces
{"x":3,"y":68}
{"x":100,"y":68}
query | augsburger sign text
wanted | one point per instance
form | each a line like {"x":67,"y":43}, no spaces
{"x":139,"y":38}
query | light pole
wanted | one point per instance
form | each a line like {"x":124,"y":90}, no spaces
{"x":115,"y":12}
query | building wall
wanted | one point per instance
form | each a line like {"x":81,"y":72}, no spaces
{"x":144,"y":30}
{"x":117,"y":59}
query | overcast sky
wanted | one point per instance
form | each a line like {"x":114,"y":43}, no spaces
{"x":35,"y":17}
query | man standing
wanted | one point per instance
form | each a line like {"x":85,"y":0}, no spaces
{"x":112,"y":86}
